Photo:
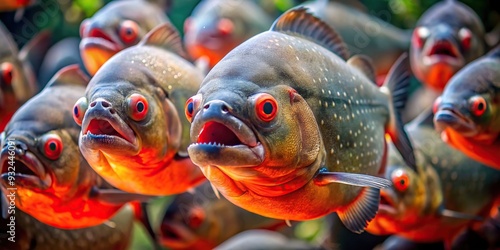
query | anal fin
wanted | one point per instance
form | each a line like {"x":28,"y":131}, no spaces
{"x":361,"y":211}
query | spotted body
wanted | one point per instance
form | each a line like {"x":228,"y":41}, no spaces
{"x":280,"y":113}
{"x":467,"y":113}
{"x":201,"y":220}
{"x":54,"y":183}
{"x":115,"y":233}
{"x":119,"y":25}
{"x":132,"y":134}
{"x":448,"y":192}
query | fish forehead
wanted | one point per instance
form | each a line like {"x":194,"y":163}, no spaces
{"x":454,"y":14}
{"x":140,"y":11}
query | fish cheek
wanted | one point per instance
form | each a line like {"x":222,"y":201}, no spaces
{"x":66,"y":169}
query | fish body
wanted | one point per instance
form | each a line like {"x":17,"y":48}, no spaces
{"x":119,"y":25}
{"x":449,"y":192}
{"x":201,"y":220}
{"x":280,"y":112}
{"x":447,"y":37}
{"x":41,"y":160}
{"x":365,"y":34}
{"x":61,"y":54}
{"x":132,"y":134}
{"x":467,"y":112}
{"x":17,"y":81}
{"x":263,"y":239}
{"x":32,"y":234}
{"x":217,"y":26}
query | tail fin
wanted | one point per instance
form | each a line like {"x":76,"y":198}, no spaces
{"x":397,"y":84}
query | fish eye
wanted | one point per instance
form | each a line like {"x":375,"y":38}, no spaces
{"x":191,"y":105}
{"x":266,"y":107}
{"x":52,"y":146}
{"x":137,"y":106}
{"x":7,"y":70}
{"x":420,"y":35}
{"x":400,"y":180}
{"x":79,"y":110}
{"x":465,"y":37}
{"x":129,"y":31}
{"x":478,"y":105}
{"x":196,"y":218}
{"x":435,"y":105}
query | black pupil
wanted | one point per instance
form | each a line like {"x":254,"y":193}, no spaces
{"x":190,"y":108}
{"x":480,"y":106}
{"x":75,"y":110}
{"x":268,"y":108}
{"x":140,"y":106}
{"x":402,"y":182}
{"x":128,"y":31}
{"x":52,"y":146}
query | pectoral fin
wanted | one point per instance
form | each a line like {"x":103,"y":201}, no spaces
{"x":362,"y":210}
{"x":360,"y":180}
{"x":459,"y":215}
{"x":115,"y":196}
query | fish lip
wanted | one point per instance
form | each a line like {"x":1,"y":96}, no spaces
{"x":128,"y":137}
{"x":387,"y":203}
{"x":41,"y":179}
{"x":443,"y":52}
{"x":449,"y":117}
{"x":184,"y":237}
{"x":100,"y":43}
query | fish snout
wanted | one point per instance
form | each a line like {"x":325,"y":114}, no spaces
{"x":216,"y":107}
{"x":102,"y":104}
{"x":15,"y":147}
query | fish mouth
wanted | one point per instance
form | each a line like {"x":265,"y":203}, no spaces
{"x":23,"y":169}
{"x":443,"y":52}
{"x":225,"y":143}
{"x":108,"y":133}
{"x":97,"y":49}
{"x":175,"y":235}
{"x":449,"y":117}
{"x":387,"y":203}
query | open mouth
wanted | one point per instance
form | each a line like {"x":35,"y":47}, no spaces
{"x":386,"y":204}
{"x":173,"y":235}
{"x":99,"y":133}
{"x":24,"y":170}
{"x":226,"y":145}
{"x":443,"y":51}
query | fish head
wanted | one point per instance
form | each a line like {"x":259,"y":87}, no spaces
{"x":249,"y":129}
{"x":122,"y":112}
{"x":216,"y":27}
{"x":446,"y":38}
{"x":469,"y":103}
{"x":196,"y":220}
{"x":413,"y":197}
{"x":40,"y":145}
{"x":117,"y":26}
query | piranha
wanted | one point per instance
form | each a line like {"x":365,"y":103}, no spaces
{"x":41,"y":161}
{"x":217,"y":26}
{"x":119,"y":25}
{"x":17,"y":80}
{"x":448,"y":192}
{"x":365,"y":34}
{"x":115,"y":233}
{"x":263,"y":239}
{"x":447,"y":37}
{"x":201,"y":220}
{"x":131,"y":131}
{"x":467,"y":112}
{"x":287,"y":129}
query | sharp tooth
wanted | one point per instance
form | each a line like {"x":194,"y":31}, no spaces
{"x":288,"y":223}
{"x":191,"y":191}
{"x":215,"y":191}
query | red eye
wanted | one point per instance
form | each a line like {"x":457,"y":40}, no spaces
{"x":83,"y":27}
{"x":129,"y":31}
{"x":79,"y":110}
{"x":465,"y":37}
{"x":436,"y":104}
{"x":7,"y":73}
{"x":400,"y":180}
{"x":478,"y":105}
{"x":196,"y":217}
{"x":420,"y":34}
{"x":225,"y":26}
{"x":138,"y":107}
{"x":266,"y":107}
{"x":191,"y":105}
{"x":52,"y":146}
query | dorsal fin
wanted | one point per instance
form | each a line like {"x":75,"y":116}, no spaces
{"x":299,"y":22}
{"x":364,"y":64}
{"x":165,"y":36}
{"x":69,"y":75}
